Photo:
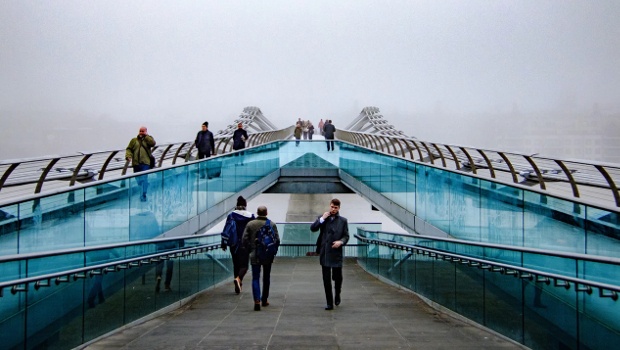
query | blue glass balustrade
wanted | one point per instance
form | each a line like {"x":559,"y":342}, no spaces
{"x":463,"y":206}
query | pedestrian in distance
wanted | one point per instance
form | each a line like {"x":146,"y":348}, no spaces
{"x":205,"y":142}
{"x":239,"y":137}
{"x":321,"y":125}
{"x":333,"y":236}
{"x":329,"y":129}
{"x":251,"y":241}
{"x":233,"y":241}
{"x":138,"y":152}
{"x":310,"y":130}
{"x":304,"y":129}
{"x":297,"y":134}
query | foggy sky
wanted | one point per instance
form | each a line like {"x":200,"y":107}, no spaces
{"x":107,"y":67}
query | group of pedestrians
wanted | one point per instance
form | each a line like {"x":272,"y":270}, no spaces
{"x":333,"y":236}
{"x":305,"y":129}
{"x":139,"y":150}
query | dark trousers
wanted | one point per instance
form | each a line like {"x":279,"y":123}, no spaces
{"x":159,"y":269}
{"x":327,"y":282}
{"x":256,"y":282}
{"x":330,"y":143}
{"x":241,"y":259}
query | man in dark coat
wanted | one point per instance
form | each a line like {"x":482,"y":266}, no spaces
{"x":205,"y":143}
{"x":334,"y":234}
{"x":329,"y":129}
{"x":239,"y":137}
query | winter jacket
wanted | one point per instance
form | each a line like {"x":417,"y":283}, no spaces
{"x":241,"y":217}
{"x":334,"y":228}
{"x":329,"y":129}
{"x":205,"y":143}
{"x":137,"y":152}
{"x":239,"y":137}
{"x":249,"y":236}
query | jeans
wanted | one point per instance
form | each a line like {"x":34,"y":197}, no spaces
{"x":256,"y":282}
{"x":143,"y":181}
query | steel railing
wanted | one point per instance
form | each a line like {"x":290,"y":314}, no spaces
{"x":595,"y":181}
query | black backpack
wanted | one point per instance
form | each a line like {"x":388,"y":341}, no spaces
{"x":266,"y":243}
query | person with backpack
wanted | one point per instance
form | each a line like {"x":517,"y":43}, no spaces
{"x":262,"y":240}
{"x":333,"y":236}
{"x":236,"y":222}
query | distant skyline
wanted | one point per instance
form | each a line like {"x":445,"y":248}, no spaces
{"x":428,"y":65}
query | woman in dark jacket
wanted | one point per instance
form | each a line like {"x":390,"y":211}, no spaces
{"x":240,"y":255}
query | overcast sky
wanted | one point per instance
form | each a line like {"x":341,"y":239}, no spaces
{"x":175,"y":64}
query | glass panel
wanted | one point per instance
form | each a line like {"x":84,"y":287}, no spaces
{"x":602,"y":232}
{"x":55,"y":315}
{"x":12,"y":320}
{"x":43,"y":220}
{"x":501,"y":214}
{"x":553,"y":224}
{"x":176,"y":207}
{"x":9,"y":225}
{"x":107,"y":212}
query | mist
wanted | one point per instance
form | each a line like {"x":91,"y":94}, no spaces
{"x":534,"y":77}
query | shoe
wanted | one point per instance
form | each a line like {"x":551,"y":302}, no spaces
{"x":264,"y":303}
{"x":143,"y":198}
{"x":337,"y":299}
{"x":167,"y":288}
{"x":329,"y":307}
{"x":257,"y":305}
{"x":237,"y":285}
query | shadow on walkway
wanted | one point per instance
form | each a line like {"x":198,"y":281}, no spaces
{"x":373,"y":315}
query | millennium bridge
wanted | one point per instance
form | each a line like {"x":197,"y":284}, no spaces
{"x":519,"y":250}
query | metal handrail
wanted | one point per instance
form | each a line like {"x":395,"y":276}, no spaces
{"x":581,"y":285}
{"x":518,"y":249}
{"x":69,"y":169}
{"x":582,"y":179}
{"x":22,"y":284}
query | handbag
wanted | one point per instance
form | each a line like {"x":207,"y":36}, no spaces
{"x":151,"y":158}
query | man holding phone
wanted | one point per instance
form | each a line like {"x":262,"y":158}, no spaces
{"x":334,"y":234}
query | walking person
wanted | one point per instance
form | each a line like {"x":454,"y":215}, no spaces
{"x":321,"y":125}
{"x":240,"y":255}
{"x":205,"y":143}
{"x":304,"y":129}
{"x":297,"y":134}
{"x":139,"y":153}
{"x":334,"y":234}
{"x":239,"y":137}
{"x":329,"y":129}
{"x":250,"y":241}
{"x":310,"y":130}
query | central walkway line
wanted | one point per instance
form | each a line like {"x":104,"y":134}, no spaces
{"x":373,"y":315}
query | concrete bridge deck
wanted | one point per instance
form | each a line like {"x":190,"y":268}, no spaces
{"x":373,"y":315}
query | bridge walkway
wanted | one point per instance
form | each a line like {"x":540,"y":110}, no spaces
{"x":373,"y":315}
